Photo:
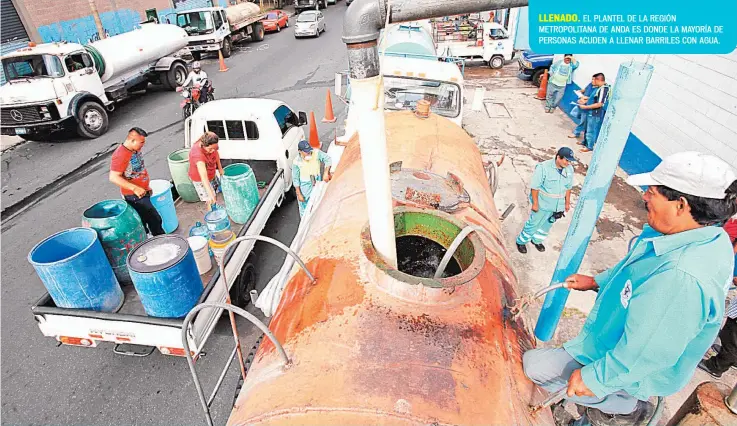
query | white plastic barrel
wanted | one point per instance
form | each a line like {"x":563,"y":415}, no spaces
{"x":198,"y":245}
{"x":127,"y":51}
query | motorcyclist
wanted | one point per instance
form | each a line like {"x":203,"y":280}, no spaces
{"x":198,"y":77}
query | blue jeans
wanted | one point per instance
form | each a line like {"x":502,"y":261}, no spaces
{"x":593,"y":125}
{"x":581,"y":127}
{"x":553,"y":96}
{"x":551,"y":368}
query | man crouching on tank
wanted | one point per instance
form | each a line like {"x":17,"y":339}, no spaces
{"x":659,"y":309}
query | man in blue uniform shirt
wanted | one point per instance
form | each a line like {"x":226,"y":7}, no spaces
{"x":660,"y":308}
{"x":550,"y":196}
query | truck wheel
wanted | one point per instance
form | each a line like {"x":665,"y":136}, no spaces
{"x":196,"y":56}
{"x":258,"y":32}
{"x":537,"y":77}
{"x":92,"y":120}
{"x":240,"y":292}
{"x":496,"y":62}
{"x":227,"y":48}
{"x":175,"y":76}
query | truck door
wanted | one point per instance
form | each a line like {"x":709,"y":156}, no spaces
{"x":220,"y":24}
{"x":83,"y":75}
{"x":497,"y":41}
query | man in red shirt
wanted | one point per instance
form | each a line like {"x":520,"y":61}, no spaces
{"x":204,"y":160}
{"x":128,"y":171}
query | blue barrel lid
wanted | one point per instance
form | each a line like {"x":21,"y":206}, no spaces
{"x":157,"y":254}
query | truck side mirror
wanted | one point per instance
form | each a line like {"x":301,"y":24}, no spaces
{"x":302,"y":118}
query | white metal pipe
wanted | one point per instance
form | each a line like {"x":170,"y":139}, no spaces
{"x":367,"y":97}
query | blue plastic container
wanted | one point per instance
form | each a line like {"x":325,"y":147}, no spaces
{"x":73,"y":267}
{"x":217,"y":221}
{"x":164,"y":272}
{"x":163,"y":200}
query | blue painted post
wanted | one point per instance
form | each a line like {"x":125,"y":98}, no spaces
{"x":626,"y":96}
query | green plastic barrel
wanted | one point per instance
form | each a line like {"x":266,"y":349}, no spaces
{"x":119,"y":229}
{"x":240,"y":191}
{"x":179,"y":169}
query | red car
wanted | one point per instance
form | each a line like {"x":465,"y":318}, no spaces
{"x":276,"y":20}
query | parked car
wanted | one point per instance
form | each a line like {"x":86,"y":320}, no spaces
{"x":302,"y":5}
{"x":276,"y":20}
{"x":532,"y":66}
{"x":309,"y":23}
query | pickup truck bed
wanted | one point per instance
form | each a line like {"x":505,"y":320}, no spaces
{"x":131,"y":325}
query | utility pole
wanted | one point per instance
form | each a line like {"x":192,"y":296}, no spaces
{"x":98,"y":22}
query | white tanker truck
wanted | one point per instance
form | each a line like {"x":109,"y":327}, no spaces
{"x":216,"y":28}
{"x":57,"y":85}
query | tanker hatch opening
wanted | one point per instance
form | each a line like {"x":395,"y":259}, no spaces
{"x":422,"y":238}
{"x":420,"y":257}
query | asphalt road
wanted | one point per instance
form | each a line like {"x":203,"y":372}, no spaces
{"x":46,"y":384}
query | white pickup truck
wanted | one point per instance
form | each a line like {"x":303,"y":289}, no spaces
{"x":57,"y":85}
{"x":261,"y":132}
{"x":210,"y":29}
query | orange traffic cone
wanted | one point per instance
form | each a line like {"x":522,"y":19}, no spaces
{"x":329,"y":116}
{"x":314,"y":138}
{"x":543,"y":90}
{"x":223,"y":68}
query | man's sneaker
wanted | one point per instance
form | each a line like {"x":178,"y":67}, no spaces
{"x":644,"y":410}
{"x":560,"y":415}
{"x":522,"y":248}
{"x":540,"y":247}
{"x":706,"y":366}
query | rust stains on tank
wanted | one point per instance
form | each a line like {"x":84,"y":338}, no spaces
{"x":310,"y":303}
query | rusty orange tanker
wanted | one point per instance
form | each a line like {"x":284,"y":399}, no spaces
{"x":371,"y":344}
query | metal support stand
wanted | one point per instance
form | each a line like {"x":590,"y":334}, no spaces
{"x":190,"y":360}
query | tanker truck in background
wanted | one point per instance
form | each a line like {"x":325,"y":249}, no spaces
{"x":210,"y":29}
{"x":54,"y":86}
{"x":413,"y":71}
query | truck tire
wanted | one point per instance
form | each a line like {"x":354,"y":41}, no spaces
{"x":537,"y":77}
{"x":496,"y":62}
{"x":175,"y":76}
{"x":196,"y":56}
{"x":227,"y":48}
{"x":258,"y":32}
{"x":92,"y":120}
{"x":241,"y":289}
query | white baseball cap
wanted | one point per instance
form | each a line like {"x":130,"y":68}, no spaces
{"x":691,"y":173}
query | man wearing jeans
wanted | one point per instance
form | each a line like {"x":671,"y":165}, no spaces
{"x":561,"y":75}
{"x":128,"y":171}
{"x":659,"y":309}
{"x":595,"y":108}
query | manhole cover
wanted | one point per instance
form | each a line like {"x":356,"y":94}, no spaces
{"x":426,"y":189}
{"x":496,"y":110}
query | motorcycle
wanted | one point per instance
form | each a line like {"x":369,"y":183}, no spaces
{"x":193,"y":97}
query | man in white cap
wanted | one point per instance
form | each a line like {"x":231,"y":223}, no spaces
{"x":659,"y":309}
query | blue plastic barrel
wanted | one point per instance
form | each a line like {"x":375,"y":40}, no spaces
{"x":164,"y":272}
{"x":163,"y":201}
{"x":73,"y":267}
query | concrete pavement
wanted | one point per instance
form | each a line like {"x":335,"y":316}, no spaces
{"x":512,"y":123}
{"x":46,"y":384}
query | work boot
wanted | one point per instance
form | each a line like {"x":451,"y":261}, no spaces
{"x":540,"y":247}
{"x":522,"y":248}
{"x":709,"y":368}
{"x":644,"y":410}
{"x":560,"y":415}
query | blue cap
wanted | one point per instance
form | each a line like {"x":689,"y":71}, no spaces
{"x":566,"y":153}
{"x":304,"y":146}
